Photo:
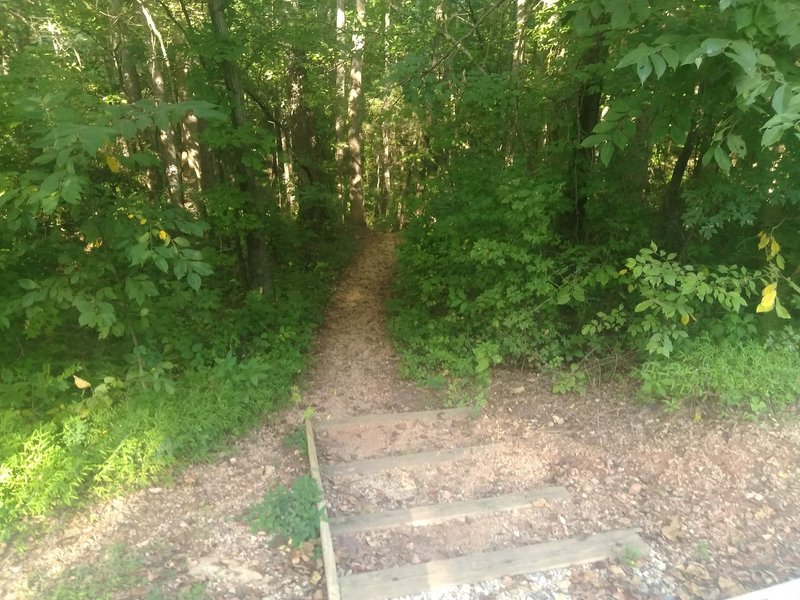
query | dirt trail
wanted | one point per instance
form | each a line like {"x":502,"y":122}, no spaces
{"x":355,"y":368}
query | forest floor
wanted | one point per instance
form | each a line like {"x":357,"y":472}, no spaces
{"x":717,"y":499}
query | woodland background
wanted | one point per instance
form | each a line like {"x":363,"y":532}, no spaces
{"x":589,"y":188}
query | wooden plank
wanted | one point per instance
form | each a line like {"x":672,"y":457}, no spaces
{"x":399,"y":417}
{"x":789,"y":590}
{"x":326,"y":541}
{"x":438,"y":513}
{"x":384,"y":463}
{"x":414,"y":579}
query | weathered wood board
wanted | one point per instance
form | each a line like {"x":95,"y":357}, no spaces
{"x":438,"y":513}
{"x":413,"y":579}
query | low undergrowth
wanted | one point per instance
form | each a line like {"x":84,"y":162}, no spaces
{"x":490,"y":274}
{"x":745,"y":376}
{"x":88,"y":427}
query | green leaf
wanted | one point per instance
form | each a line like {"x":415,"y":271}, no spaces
{"x":723,"y":160}
{"x":671,"y":57}
{"x":659,"y":65}
{"x":593,"y":140}
{"x":582,"y":22}
{"x":779,"y":104}
{"x":771,"y":135}
{"x":781,"y":311}
{"x":736,"y":144}
{"x":634,"y":56}
{"x":714,"y":46}
{"x":28,"y":284}
{"x":160,"y":262}
{"x":193,"y":279}
{"x":606,"y":152}
{"x":744,"y":17}
{"x":202,"y":268}
{"x":644,"y":67}
{"x":620,"y":16}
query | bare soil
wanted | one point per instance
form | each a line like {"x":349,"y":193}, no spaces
{"x":717,"y":499}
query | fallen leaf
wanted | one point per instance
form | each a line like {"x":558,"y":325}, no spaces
{"x":672,"y":531}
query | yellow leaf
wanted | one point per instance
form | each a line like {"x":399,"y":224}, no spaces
{"x":623,"y":271}
{"x":768,"y":296}
{"x":763,"y":240}
{"x":774,"y":248}
{"x":142,"y":221}
{"x":113,"y":164}
{"x":162,"y":235}
{"x":81,"y":384}
{"x":685,"y":319}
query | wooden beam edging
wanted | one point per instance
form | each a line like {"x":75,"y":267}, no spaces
{"x":326,"y":541}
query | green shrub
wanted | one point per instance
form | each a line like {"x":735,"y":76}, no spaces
{"x":291,"y":514}
{"x":475,"y":283}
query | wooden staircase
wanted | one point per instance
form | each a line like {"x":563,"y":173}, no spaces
{"x":439,"y":574}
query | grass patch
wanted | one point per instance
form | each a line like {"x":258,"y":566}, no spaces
{"x":746,"y":376}
{"x":116,"y":572}
{"x":290,"y":514}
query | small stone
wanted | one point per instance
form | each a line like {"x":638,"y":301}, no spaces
{"x":558,"y":420}
{"x":635,"y":489}
{"x":415,"y":559}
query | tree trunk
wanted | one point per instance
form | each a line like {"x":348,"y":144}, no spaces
{"x":341,"y":103}
{"x":354,"y":112}
{"x":588,"y":113}
{"x":167,"y":147}
{"x":517,"y":59}
{"x":384,"y":158}
{"x":673,"y":203}
{"x":258,"y":270}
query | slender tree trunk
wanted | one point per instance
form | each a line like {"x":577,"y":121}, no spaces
{"x":341,"y":103}
{"x":384,"y":158}
{"x":302,"y":137}
{"x":673,"y":202}
{"x":132,"y":88}
{"x":168,"y":149}
{"x":354,"y":112}
{"x":258,"y":271}
{"x":588,"y":115}
{"x":517,"y":59}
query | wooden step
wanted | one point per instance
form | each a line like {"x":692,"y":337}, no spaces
{"x":438,"y":513}
{"x":399,"y":417}
{"x":414,"y":579}
{"x":373,"y":465}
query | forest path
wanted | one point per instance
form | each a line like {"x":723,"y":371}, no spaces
{"x":381,"y":532}
{"x":355,"y":365}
